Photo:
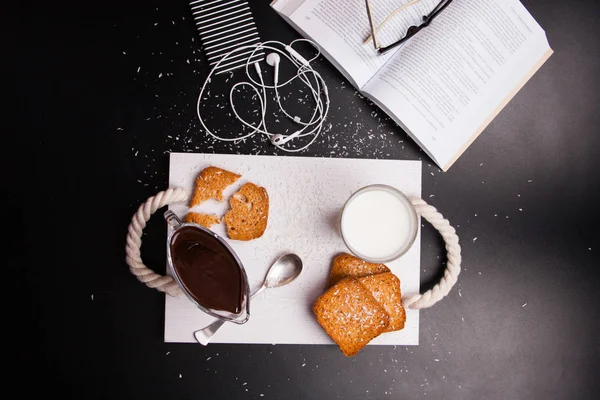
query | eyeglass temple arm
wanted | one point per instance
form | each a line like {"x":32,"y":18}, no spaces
{"x":434,"y":13}
{"x":371,"y":25}
{"x":396,"y":11}
{"x":385,"y":49}
{"x":426,"y":21}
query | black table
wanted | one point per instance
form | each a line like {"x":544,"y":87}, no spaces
{"x":100,"y":93}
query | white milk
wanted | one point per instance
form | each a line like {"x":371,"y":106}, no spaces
{"x":378,"y":224}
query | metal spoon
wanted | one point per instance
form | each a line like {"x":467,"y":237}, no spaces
{"x":282,"y":272}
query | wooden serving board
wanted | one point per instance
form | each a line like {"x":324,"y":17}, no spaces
{"x":306,"y":198}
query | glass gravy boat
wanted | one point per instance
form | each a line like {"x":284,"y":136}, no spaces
{"x":207,"y":270}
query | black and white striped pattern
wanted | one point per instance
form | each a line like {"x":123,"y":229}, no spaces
{"x":225,"y":25}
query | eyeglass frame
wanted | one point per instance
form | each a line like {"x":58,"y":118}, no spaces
{"x":410,"y":32}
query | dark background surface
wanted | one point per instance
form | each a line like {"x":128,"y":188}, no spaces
{"x":87,"y":141}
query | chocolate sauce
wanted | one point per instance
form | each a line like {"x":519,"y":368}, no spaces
{"x":207,"y":270}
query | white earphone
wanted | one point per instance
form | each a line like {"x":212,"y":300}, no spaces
{"x":316,"y":86}
{"x":273,"y":60}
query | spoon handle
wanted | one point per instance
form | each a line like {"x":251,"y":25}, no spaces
{"x":204,"y":335}
{"x":257,"y":291}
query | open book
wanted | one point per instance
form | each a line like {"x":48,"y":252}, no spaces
{"x":447,"y":83}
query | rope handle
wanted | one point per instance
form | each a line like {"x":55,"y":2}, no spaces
{"x":442,"y":288}
{"x":134,"y":241}
{"x":168,"y":285}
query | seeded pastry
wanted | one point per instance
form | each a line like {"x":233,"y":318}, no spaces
{"x":205,"y":220}
{"x":350,"y":315}
{"x":386,"y":290}
{"x":347,"y":265}
{"x":249,"y":213}
{"x":210,"y":184}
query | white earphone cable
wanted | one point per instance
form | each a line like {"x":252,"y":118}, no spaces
{"x":317,"y":89}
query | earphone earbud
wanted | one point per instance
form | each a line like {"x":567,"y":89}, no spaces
{"x":277,"y":139}
{"x":280,"y":139}
{"x":273,"y":60}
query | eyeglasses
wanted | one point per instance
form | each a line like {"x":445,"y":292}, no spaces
{"x":412,"y":31}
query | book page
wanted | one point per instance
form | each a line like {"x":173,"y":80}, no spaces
{"x":450,"y":79}
{"x":340,"y":28}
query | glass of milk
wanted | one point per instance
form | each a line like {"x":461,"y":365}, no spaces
{"x":378,"y":223}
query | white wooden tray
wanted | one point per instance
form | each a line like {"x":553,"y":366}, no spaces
{"x":306,"y":198}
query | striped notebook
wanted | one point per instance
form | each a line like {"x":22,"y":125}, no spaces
{"x":225,"y":25}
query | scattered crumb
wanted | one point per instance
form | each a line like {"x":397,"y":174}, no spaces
{"x":179,"y":376}
{"x":474,"y":239}
{"x":92,"y":296}
{"x":524,"y":304}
